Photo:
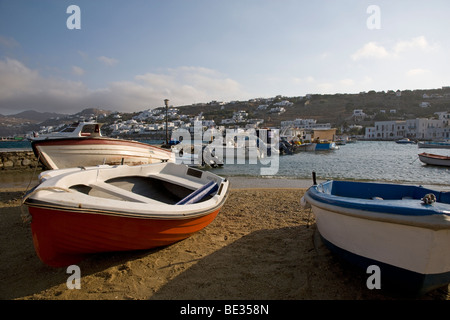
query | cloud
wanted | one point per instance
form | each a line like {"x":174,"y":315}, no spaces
{"x":83,"y":54}
{"x":307,"y":80}
{"x":22,"y":88}
{"x":373,"y":50}
{"x":78,"y":71}
{"x":183,"y":85}
{"x":8,"y":42}
{"x":108,"y":61}
{"x":347,"y":82}
{"x":370,"y":50}
{"x":415,"y":43}
{"x":417,"y":72}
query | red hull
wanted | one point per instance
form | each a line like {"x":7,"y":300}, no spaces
{"x":62,"y":238}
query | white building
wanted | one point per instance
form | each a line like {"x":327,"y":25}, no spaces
{"x":278,"y":110}
{"x":305,"y":124}
{"x":284,"y":103}
{"x":358,"y":114}
{"x":420,"y":129}
{"x":263,"y":106}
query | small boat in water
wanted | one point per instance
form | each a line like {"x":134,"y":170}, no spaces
{"x":402,"y":229}
{"x":434,"y":144}
{"x":326,"y":145}
{"x":80,"y":211}
{"x":434,"y":159}
{"x":82,"y":144}
{"x":405,"y":141}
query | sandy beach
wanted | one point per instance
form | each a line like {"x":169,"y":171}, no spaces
{"x":262,"y":245}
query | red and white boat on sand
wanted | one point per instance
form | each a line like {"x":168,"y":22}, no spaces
{"x":82,"y":144}
{"x":80,"y":211}
{"x":434,"y":159}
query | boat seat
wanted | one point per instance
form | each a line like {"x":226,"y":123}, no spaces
{"x":123,"y":194}
{"x":199,"y":194}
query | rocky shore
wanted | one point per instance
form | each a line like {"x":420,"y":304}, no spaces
{"x":11,"y":159}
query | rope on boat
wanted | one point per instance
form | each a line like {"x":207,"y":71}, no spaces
{"x":34,"y":172}
{"x":26,"y":217}
{"x":429,"y":198}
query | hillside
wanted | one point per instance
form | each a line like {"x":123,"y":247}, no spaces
{"x":27,"y":121}
{"x":336,"y":109}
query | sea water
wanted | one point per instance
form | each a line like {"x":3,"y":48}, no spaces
{"x":384,"y":161}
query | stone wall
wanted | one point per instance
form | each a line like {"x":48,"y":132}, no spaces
{"x":18,"y":160}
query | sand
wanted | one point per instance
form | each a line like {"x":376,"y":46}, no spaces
{"x":262,"y":245}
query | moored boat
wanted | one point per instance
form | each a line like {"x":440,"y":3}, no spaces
{"x":402,"y":229}
{"x":326,"y":145}
{"x":434,"y":159}
{"x":434,"y":144}
{"x":80,"y":211}
{"x":405,"y":141}
{"x":82,"y":144}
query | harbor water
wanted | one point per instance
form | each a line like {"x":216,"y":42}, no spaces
{"x":378,"y":161}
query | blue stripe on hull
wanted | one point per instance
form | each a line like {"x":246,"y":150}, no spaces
{"x":394,"y":278}
{"x":324,"y":146}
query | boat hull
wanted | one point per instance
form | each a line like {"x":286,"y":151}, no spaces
{"x":75,"y":152}
{"x":63,"y":237}
{"x":400,"y":258}
{"x":435,"y":160}
{"x":411,"y":251}
{"x":80,"y":211}
{"x":326,"y":146}
{"x":434,"y":145}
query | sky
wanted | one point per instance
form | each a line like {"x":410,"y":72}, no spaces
{"x":129,"y":56}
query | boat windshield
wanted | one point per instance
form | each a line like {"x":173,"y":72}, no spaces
{"x":90,"y":128}
{"x":69,"y":128}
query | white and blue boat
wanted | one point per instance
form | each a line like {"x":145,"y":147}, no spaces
{"x":402,"y":229}
{"x":326,"y":145}
{"x":405,"y":141}
{"x":435,"y":144}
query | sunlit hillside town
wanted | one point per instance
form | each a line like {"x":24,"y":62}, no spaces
{"x":153,"y":120}
{"x":384,"y":119}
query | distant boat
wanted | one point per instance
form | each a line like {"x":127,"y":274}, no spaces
{"x":434,"y":159}
{"x":79,"y":211}
{"x":404,"y":230}
{"x":325,"y":145}
{"x":307,"y":146}
{"x":435,"y":144}
{"x":9,"y":139}
{"x":405,"y":141}
{"x":82,"y":144}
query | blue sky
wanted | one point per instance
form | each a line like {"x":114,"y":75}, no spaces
{"x":131,"y":55}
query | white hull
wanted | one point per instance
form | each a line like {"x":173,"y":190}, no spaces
{"x":67,"y":155}
{"x":408,"y":247}
{"x":435,"y":160}
{"x":434,"y":145}
{"x":59,"y":188}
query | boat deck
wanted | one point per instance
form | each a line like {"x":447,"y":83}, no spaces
{"x":135,"y":189}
